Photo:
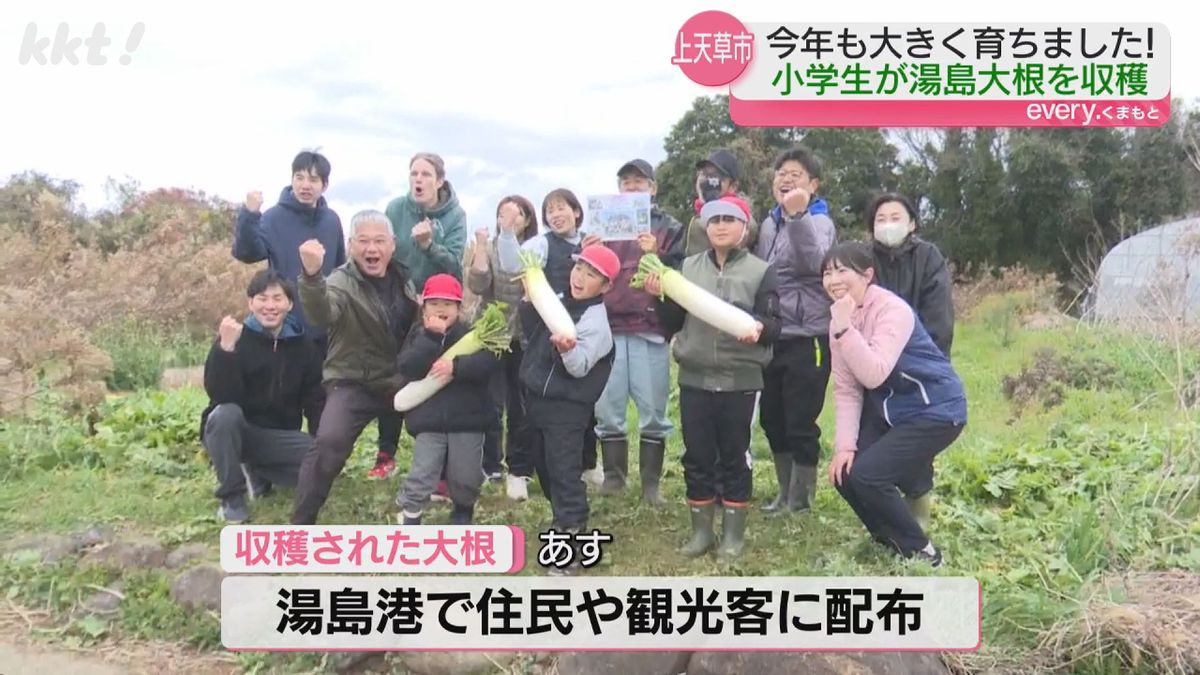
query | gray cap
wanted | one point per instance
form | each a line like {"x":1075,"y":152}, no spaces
{"x":721,"y":207}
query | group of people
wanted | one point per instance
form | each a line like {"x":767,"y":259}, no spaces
{"x":333,"y":332}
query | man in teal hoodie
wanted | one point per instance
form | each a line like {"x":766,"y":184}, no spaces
{"x":430,"y":225}
{"x":431,"y":232}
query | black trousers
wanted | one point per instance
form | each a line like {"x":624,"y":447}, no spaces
{"x":871,"y":428}
{"x":902,"y":455}
{"x":716,"y":439}
{"x":513,"y":449}
{"x":557,"y":451}
{"x":793,"y":396}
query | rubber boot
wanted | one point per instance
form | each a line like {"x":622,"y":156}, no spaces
{"x":783,"y":474}
{"x":614,"y":454}
{"x":703,"y":540}
{"x":462,"y":515}
{"x":650,"y":467}
{"x":804,"y":484}
{"x":921,"y":508}
{"x":733,"y":533}
{"x":408,"y":519}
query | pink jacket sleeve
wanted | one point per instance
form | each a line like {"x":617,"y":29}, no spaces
{"x":847,"y":400}
{"x":860,"y":364}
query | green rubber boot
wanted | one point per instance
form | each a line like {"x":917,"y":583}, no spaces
{"x":733,"y":533}
{"x":703,"y":540}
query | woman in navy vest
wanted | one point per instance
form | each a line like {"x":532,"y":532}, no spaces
{"x":882,"y":357}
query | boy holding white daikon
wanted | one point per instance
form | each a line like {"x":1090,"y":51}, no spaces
{"x":724,"y":310}
{"x":566,"y":364}
{"x":448,"y":362}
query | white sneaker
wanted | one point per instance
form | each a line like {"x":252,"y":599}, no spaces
{"x":518,"y":488}
{"x":593,"y":476}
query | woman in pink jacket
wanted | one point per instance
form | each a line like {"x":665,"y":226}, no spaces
{"x":882,"y":357}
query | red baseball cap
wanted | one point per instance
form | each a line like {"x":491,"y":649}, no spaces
{"x":602,"y":258}
{"x":442,"y":287}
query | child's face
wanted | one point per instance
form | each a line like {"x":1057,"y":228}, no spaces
{"x":725,"y":232}
{"x":586,"y":281}
{"x":561,"y":218}
{"x":307,"y":186}
{"x":442,"y":309}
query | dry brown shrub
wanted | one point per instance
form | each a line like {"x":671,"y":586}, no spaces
{"x":1154,"y":622}
{"x":55,"y":291}
{"x":1039,"y":292}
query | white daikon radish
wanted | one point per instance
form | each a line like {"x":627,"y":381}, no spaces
{"x":543,"y":298}
{"x":698,"y":302}
{"x":489,"y":332}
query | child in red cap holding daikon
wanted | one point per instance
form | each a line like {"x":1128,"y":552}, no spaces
{"x":564,"y":370}
{"x":449,"y":427}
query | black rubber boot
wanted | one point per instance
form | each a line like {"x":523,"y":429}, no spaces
{"x":783,"y":474}
{"x":614,"y":454}
{"x":804,"y":485}
{"x":651,"y":452}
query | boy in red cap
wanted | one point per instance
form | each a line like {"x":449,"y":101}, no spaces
{"x":449,"y":428}
{"x":563,"y":378}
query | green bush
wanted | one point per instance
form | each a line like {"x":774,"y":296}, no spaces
{"x":140,"y":353}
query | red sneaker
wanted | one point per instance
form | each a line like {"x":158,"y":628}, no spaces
{"x":442,"y":494}
{"x":385,"y":466}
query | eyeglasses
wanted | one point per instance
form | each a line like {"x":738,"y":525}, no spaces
{"x":794,"y":175}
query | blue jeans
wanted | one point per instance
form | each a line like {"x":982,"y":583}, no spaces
{"x":641,"y":370}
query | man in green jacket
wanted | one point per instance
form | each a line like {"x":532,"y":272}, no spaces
{"x":367,"y":305}
{"x":431,"y":232}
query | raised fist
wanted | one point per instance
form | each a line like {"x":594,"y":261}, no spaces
{"x":230,"y":331}
{"x":254,"y":201}
{"x":312,"y":257}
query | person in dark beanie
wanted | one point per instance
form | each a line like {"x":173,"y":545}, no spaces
{"x":262,"y":376}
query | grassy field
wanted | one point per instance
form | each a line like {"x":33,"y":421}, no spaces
{"x":1037,"y":502}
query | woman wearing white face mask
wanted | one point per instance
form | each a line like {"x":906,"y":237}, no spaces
{"x":914,"y":269}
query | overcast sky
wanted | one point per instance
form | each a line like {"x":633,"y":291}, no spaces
{"x":516,"y":96}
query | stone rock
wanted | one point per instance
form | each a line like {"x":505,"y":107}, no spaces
{"x":359,"y":663}
{"x":186,"y":555}
{"x":622,"y":663}
{"x":808,"y":663}
{"x":455,"y":663}
{"x":93,"y":536}
{"x":128,"y":554}
{"x":177,"y":378}
{"x":198,"y":588}
{"x":104,"y":603}
{"x":49,"y":548}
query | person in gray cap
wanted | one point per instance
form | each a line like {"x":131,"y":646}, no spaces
{"x":717,"y":176}
{"x":642,"y":369}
